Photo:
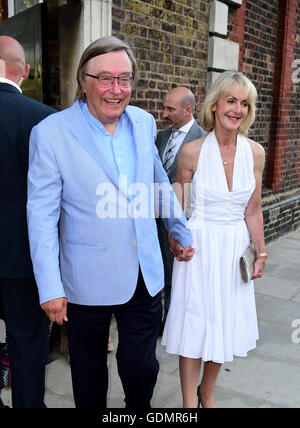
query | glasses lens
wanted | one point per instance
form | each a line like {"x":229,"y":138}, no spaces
{"x":108,"y":81}
{"x":124,"y":82}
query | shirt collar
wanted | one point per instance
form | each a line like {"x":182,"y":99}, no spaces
{"x":10,"y":82}
{"x":185,"y":128}
{"x":97,"y":124}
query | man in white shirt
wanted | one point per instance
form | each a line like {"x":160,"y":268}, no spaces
{"x":179,"y":107}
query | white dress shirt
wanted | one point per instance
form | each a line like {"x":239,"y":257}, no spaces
{"x":179,"y":139}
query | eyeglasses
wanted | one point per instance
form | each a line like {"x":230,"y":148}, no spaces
{"x":106,"y":81}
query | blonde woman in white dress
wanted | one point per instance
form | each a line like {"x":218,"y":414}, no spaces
{"x":212,"y":316}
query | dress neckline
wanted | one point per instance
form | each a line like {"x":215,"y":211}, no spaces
{"x":222,"y":165}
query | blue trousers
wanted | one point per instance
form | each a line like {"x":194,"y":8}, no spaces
{"x":138,"y":323}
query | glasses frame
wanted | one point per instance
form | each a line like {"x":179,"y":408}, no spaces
{"x":114,"y":78}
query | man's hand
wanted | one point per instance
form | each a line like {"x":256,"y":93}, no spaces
{"x":181,"y":254}
{"x":56,"y":310}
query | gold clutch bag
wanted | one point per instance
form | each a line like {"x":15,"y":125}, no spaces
{"x":247,"y":260}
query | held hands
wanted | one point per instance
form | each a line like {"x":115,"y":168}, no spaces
{"x":181,"y":254}
{"x":56,"y":310}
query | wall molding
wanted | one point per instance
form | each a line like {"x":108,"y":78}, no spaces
{"x":223,"y":54}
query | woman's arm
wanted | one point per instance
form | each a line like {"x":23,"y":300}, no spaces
{"x":186,"y":167}
{"x":253,"y":213}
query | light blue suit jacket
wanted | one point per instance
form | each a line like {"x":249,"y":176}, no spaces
{"x":76,"y":251}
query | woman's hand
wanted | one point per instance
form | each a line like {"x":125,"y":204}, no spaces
{"x":181,"y":254}
{"x":259,"y":267}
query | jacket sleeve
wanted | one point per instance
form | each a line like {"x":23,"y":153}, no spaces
{"x":43,"y":212}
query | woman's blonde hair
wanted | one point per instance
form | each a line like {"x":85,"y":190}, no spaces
{"x":220,"y":87}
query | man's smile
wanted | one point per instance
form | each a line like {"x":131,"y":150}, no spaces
{"x":112,"y":101}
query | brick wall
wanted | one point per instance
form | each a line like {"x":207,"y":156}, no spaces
{"x":294,"y":114}
{"x":281,"y":217}
{"x":170,"y":41}
{"x":257,"y":62}
{"x":236,"y":27}
{"x":269,"y":50}
{"x":279,"y":172}
{"x":169,"y":38}
{"x":270,"y":44}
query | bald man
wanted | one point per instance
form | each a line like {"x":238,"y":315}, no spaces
{"x":179,"y":107}
{"x":27,"y":327}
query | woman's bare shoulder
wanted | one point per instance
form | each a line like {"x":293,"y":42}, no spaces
{"x":258,"y":151}
{"x":256,"y":147}
{"x":192,"y":148}
{"x":190,"y":153}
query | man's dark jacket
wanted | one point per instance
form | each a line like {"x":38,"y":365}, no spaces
{"x":18,"y":115}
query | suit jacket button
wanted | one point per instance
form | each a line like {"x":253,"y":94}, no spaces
{"x":135,"y":243}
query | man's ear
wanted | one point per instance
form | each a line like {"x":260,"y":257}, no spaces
{"x":27,"y":69}
{"x":189,"y":110}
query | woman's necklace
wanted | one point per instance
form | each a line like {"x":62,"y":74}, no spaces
{"x":225,"y":162}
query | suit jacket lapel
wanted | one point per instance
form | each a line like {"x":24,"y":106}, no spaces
{"x":190,"y":136}
{"x":165,"y":142}
{"x":82,"y":133}
{"x":139,"y":136}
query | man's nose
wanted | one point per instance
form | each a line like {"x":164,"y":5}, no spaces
{"x":115,"y":87}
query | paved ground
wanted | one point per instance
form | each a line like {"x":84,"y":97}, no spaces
{"x":268,"y":378}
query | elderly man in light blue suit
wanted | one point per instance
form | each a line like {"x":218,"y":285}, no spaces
{"x":95,"y":184}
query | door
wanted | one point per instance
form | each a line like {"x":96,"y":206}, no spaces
{"x":27,"y":27}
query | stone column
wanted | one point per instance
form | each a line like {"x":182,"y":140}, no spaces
{"x":81,"y":22}
{"x":223,"y":54}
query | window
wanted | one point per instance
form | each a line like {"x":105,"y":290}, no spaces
{"x":17,"y":6}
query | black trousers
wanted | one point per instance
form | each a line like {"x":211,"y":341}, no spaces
{"x":27,"y":329}
{"x":138,"y":323}
{"x":168,"y":260}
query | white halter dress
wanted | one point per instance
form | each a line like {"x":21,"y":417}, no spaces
{"x":212,"y":313}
